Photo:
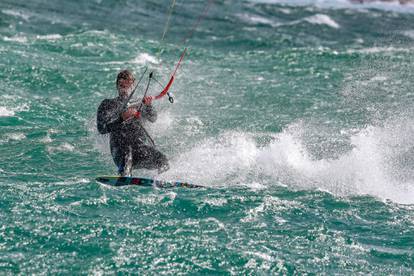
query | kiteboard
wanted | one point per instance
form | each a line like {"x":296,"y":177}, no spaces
{"x":140,"y":181}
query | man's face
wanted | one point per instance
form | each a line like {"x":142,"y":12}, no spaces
{"x":125,"y":86}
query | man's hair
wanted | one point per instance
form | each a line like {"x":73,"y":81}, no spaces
{"x":124,"y":75}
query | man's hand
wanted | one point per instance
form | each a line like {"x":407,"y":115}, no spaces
{"x":147,"y":100}
{"x":131,"y":113}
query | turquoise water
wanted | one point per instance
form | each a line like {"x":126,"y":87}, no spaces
{"x":297,"y":116}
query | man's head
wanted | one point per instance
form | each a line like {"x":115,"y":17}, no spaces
{"x":124,"y":82}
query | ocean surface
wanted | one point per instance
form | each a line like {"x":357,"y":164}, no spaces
{"x":297,"y":117}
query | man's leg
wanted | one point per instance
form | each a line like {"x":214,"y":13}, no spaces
{"x":122,"y":157}
{"x":150,"y":158}
{"x":128,"y":163}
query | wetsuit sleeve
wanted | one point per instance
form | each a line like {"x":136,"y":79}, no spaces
{"x":149,"y":113}
{"x":108,"y":117}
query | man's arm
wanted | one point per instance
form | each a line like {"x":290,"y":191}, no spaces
{"x":149,"y":112}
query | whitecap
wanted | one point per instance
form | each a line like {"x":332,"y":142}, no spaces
{"x":261,"y":255}
{"x":216,"y":201}
{"x":49,"y":37}
{"x":16,"y":13}
{"x":4,"y":112}
{"x":322,"y":19}
{"x":47,"y":139}
{"x":144,"y":58}
{"x":375,"y":50}
{"x":409,"y":34}
{"x":374,"y":165}
{"x":16,"y":38}
{"x":365,"y":170}
{"x":65,"y":147}
{"x":345,"y":4}
{"x":16,"y":136}
{"x":255,"y":19}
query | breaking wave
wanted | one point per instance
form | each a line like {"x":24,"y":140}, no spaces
{"x":378,"y":163}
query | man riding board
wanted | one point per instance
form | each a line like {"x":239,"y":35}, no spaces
{"x":128,"y":138}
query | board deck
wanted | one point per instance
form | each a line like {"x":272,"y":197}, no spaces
{"x":140,"y":181}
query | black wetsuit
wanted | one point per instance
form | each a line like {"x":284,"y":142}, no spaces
{"x":129,"y":136}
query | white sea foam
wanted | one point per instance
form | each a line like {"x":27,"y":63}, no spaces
{"x":409,"y":34}
{"x":216,"y":201}
{"x":47,"y":139}
{"x":319,"y":19}
{"x":5,"y":112}
{"x":255,"y":19}
{"x":367,"y":169}
{"x":16,"y":136}
{"x":260,"y":20}
{"x":375,"y":50}
{"x":215,"y":160}
{"x":53,"y":131}
{"x":322,"y":19}
{"x":49,"y":37}
{"x":144,"y":58}
{"x":341,"y":4}
{"x":64,"y":147}
{"x":379,"y":164}
{"x":73,"y":181}
{"x":164,"y":124}
{"x":23,"y":15}
{"x":8,"y":97}
{"x":11,"y":111}
{"x":16,"y":38}
{"x":285,"y":10}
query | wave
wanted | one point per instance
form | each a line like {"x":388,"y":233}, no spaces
{"x":394,"y":6}
{"x":379,"y":162}
{"x":376,"y":50}
{"x":318,"y":19}
{"x":18,"y":13}
{"x":322,"y":19}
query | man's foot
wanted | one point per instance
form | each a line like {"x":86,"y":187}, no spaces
{"x":121,"y":170}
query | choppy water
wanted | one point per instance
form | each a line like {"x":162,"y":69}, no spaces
{"x":296,"y":115}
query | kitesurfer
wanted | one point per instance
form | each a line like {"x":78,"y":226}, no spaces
{"x":129,"y":141}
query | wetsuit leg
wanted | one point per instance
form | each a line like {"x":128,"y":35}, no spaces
{"x":119,"y":155}
{"x":128,"y":162}
{"x":147,"y":157}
